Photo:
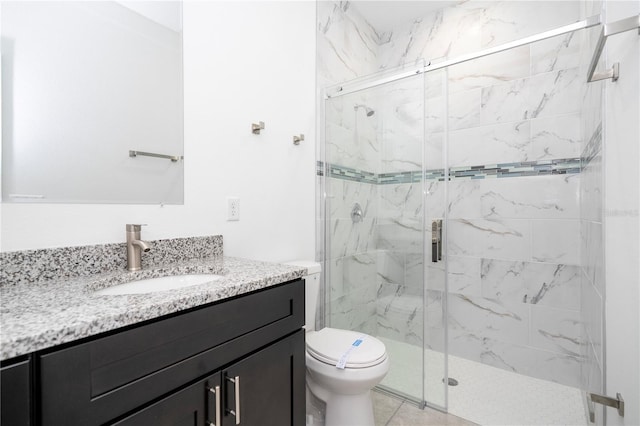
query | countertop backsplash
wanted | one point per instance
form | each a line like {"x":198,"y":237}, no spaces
{"x":32,"y":266}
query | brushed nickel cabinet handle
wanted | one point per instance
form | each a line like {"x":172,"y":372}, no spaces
{"x":236,"y":385}
{"x":216,"y":408}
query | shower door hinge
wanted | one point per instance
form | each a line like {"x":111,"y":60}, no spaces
{"x":617,"y":403}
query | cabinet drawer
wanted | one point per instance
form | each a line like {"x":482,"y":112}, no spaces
{"x":93,"y":382}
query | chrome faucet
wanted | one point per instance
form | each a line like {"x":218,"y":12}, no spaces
{"x":135,"y":246}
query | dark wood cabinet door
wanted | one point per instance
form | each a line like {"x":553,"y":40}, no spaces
{"x":15,"y":394}
{"x":270,"y":385}
{"x":194,"y":405}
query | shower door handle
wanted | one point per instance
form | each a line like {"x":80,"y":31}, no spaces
{"x":436,"y":240}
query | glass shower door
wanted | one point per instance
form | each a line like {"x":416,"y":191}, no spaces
{"x":513,"y":235}
{"x":375,"y":223}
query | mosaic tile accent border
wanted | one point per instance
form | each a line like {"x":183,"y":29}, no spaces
{"x":348,"y":173}
{"x":526,"y":168}
{"x":488,"y":171}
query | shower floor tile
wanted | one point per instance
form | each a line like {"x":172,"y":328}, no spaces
{"x":485,"y":395}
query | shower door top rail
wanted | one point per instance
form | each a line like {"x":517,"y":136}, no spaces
{"x":617,"y":27}
{"x":591,"y":21}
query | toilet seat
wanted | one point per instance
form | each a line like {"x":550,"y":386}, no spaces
{"x":330,"y":344}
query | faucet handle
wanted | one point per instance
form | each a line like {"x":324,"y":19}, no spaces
{"x":135,"y":227}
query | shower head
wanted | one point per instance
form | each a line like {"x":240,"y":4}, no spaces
{"x":369,"y":111}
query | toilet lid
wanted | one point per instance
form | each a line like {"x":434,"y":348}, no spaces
{"x":330,"y":344}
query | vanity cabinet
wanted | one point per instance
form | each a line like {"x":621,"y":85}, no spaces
{"x":15,"y":393}
{"x":165,"y":372}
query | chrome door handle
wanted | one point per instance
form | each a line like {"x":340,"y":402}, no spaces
{"x":236,"y":385}
{"x":216,"y":409}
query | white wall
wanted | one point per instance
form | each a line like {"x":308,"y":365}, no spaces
{"x":244,"y":62}
{"x":622,"y":218}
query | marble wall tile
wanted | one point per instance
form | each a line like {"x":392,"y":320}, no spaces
{"x":554,"y":93}
{"x":500,"y":143}
{"x":400,"y":201}
{"x":434,"y":273}
{"x":591,"y":123}
{"x":556,"y":330}
{"x":505,"y":102}
{"x":414,"y":273}
{"x":504,"y":21}
{"x":462,"y":29}
{"x":483,"y":318}
{"x":592,"y":253}
{"x":348,"y":238}
{"x":420,"y":38}
{"x":464,"y":109}
{"x":434,"y":332}
{"x":435,"y":113}
{"x":556,"y":53}
{"x":348,"y":42}
{"x":360,"y":272}
{"x":508,"y":239}
{"x":591,"y":195}
{"x":540,"y":284}
{"x":434,"y":203}
{"x":592,"y":316}
{"x":351,"y":137}
{"x":343,"y":194}
{"x":343,"y":149}
{"x":401,"y":150}
{"x":335,"y":276}
{"x":555,"y":367}
{"x":433,"y":148}
{"x":490,"y":70}
{"x":404,"y":234}
{"x":400,"y":317}
{"x":593,"y":373}
{"x":540,"y":197}
{"x":464,"y":275}
{"x":390,"y":268}
{"x":435,"y":84}
{"x":556,"y":137}
{"x":464,"y":198}
{"x":556,"y":241}
{"x":353,"y":312}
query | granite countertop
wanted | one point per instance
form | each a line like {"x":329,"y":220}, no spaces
{"x":45,"y":314}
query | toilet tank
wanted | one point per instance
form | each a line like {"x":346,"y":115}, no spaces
{"x":312,"y":290}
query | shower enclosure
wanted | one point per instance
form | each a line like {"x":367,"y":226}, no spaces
{"x":458,"y":208}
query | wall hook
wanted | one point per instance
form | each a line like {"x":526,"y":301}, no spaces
{"x":255,"y":128}
{"x":297,"y":139}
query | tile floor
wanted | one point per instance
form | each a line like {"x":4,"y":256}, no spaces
{"x":389,"y":411}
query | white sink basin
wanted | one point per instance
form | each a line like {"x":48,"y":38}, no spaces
{"x":153,"y":285}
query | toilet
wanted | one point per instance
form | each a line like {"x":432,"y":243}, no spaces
{"x":345,"y":391}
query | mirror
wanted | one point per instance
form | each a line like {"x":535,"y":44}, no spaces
{"x":83,"y":84}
